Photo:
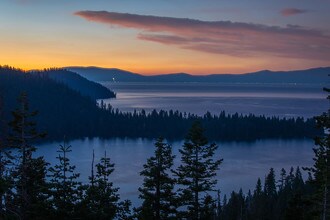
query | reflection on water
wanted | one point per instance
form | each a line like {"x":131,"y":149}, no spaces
{"x":243,"y":162}
{"x":284,"y":100}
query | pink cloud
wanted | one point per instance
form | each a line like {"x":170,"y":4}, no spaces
{"x":292,"y":11}
{"x":221,"y":37}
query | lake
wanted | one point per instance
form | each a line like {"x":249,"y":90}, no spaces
{"x":243,"y":162}
{"x":284,"y":100}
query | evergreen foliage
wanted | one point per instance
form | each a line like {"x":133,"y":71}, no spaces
{"x":287,"y":201}
{"x":320,"y":172}
{"x":27,"y":175}
{"x":196,"y":174}
{"x":101,"y":200}
{"x":65,"y":187}
{"x":157,"y":192}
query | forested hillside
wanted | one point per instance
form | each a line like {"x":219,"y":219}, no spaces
{"x":65,"y":112}
{"x":78,"y":83}
{"x":62,"y":110}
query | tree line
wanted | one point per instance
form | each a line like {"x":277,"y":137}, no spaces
{"x":30,"y":188}
{"x":290,"y":197}
{"x":61,"y":107}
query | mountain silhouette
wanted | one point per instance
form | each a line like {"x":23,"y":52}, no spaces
{"x":314,"y":76}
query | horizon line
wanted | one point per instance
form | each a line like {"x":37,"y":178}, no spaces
{"x":158,"y":74}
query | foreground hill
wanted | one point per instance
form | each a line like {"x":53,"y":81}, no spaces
{"x":316,"y":75}
{"x":78,"y":83}
{"x":66,"y":112}
{"x":62,"y":110}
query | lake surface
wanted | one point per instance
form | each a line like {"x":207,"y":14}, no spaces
{"x":284,"y":100}
{"x":243,"y":162}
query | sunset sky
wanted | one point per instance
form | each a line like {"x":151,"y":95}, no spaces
{"x":166,"y":36}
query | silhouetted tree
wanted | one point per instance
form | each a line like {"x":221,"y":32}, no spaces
{"x":157,"y":192}
{"x":270,"y":184}
{"x":101,"y":200}
{"x":65,"y":188}
{"x":29,"y":174}
{"x":197,"y":171}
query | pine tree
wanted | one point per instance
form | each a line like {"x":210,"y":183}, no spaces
{"x":282,"y":180}
{"x":320,"y":171}
{"x":101,"y":199}
{"x":209,"y":208}
{"x":289,"y":180}
{"x":258,"y":202}
{"x":270,"y":194}
{"x":157,"y":192}
{"x":65,"y":188}
{"x":298,"y":182}
{"x":270,"y":184}
{"x":29,"y":174}
{"x":235,"y":206}
{"x":197,"y":171}
{"x":284,"y":193}
{"x":248,"y":203}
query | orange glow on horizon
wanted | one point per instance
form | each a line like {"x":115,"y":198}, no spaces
{"x":136,"y":56}
{"x":156,"y":71}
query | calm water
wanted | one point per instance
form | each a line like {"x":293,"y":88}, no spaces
{"x":286,"y":100}
{"x":243,"y":162}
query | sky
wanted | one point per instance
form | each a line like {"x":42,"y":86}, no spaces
{"x":166,"y":36}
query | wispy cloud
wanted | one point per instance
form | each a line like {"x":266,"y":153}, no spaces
{"x":292,"y":11}
{"x":221,"y":37}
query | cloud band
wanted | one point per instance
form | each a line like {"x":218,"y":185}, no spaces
{"x":221,"y":37}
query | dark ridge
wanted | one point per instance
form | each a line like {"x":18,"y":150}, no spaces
{"x":78,"y":83}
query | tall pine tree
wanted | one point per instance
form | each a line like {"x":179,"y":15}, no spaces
{"x":157,"y":191}
{"x":29,"y":174}
{"x":197,"y":171}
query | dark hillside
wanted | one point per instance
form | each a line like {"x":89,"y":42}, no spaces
{"x":78,"y":83}
{"x":62,"y":111}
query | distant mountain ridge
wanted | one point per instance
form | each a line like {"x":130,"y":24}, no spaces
{"x":314,"y":76}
